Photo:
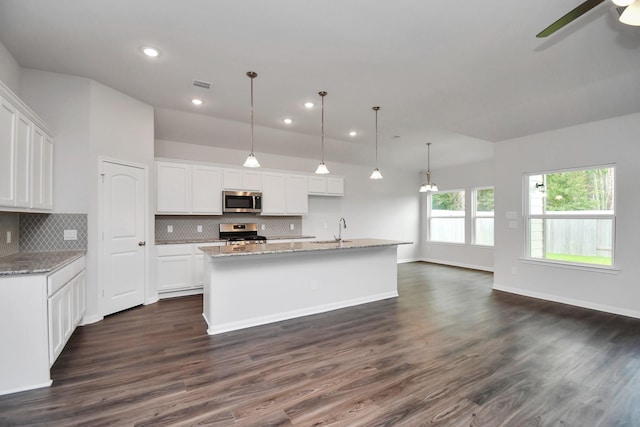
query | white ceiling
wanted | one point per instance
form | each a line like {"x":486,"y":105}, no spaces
{"x":459,"y":75}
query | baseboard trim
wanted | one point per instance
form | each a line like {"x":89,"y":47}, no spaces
{"x":406,"y":260}
{"x":180,"y":293}
{"x":569,"y":301}
{"x":263,"y":320}
{"x":87,"y":320}
{"x":25,"y":388}
{"x":458,"y":264}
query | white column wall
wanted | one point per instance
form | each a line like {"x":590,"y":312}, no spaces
{"x":612,"y":141}
{"x":9,"y":70}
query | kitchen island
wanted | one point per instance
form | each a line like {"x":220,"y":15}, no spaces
{"x":251,"y":285}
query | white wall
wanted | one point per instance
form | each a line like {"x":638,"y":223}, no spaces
{"x":9,"y":70}
{"x":90,"y":120}
{"x":63,"y":102}
{"x":386,"y":209}
{"x":612,"y":141}
{"x":467,"y":178}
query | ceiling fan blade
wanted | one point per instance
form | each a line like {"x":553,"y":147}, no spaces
{"x":574,"y":14}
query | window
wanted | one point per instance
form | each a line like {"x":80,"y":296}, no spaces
{"x":571,"y":216}
{"x":483,"y":216}
{"x":446,"y":217}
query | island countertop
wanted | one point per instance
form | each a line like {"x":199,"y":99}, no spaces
{"x":279,"y":248}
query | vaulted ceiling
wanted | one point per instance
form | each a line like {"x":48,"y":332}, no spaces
{"x":460,"y":75}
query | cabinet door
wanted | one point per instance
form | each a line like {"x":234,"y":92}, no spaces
{"x":173,"y":187}
{"x":297,"y":195}
{"x":317,"y":185}
{"x":174,"y":272}
{"x":78,"y":298}
{"x":274,"y":200}
{"x":232,"y":179}
{"x":335,"y":186}
{"x":23,"y":161}
{"x":47,"y":174}
{"x":252,"y":180}
{"x":8,"y":126}
{"x":207,"y":190}
{"x":60,"y":317}
{"x":245,"y":180}
{"x":37,"y":168}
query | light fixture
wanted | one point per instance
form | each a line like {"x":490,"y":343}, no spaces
{"x":196,"y":101}
{"x":631,"y":15}
{"x":251,"y":161}
{"x":353,"y":133}
{"x":322,"y":168}
{"x":309,"y":105}
{"x":622,"y":3}
{"x":376,"y":172}
{"x":150,"y":52}
{"x":428,"y":186}
{"x":287,"y":121}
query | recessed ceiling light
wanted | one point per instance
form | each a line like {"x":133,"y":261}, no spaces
{"x":151,"y":52}
{"x":196,"y":101}
{"x":353,"y":133}
{"x":287,"y":121}
{"x":308,"y":104}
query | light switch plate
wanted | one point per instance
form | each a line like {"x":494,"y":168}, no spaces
{"x":70,"y":235}
{"x":169,"y":228}
{"x":8,"y":236}
{"x":199,"y":229}
{"x":292,"y":227}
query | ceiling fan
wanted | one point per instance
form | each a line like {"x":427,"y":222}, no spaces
{"x":629,"y":16}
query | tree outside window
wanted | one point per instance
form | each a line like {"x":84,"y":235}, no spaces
{"x":447,"y":217}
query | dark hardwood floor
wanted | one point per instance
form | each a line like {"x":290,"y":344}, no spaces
{"x":449,"y":351}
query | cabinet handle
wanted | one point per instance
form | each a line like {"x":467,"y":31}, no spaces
{"x":142,"y":243}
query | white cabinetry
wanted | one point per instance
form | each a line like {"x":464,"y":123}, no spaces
{"x":26,"y":157}
{"x":241,"y":179}
{"x":38,"y":313}
{"x":326,"y":186}
{"x":188,"y":189}
{"x":284,"y":194}
{"x":180,"y":268}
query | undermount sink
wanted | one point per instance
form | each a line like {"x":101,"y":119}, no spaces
{"x":330,"y":241}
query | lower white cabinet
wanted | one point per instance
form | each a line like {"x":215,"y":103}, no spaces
{"x":38,"y":314}
{"x":180,"y":268}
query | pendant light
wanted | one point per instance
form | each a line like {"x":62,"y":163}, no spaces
{"x":322,"y":168}
{"x":251,"y":161}
{"x":428,"y":186}
{"x":376,"y":172}
{"x":631,"y":15}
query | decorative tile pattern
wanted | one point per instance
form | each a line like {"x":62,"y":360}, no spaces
{"x":9,"y":223}
{"x":45,"y":232}
{"x":186,"y":227}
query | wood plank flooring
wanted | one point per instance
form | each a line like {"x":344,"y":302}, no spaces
{"x":449,"y":351}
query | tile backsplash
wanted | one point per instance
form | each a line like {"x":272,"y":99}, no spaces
{"x":45,"y":232}
{"x":9,"y":224}
{"x":186,"y":227}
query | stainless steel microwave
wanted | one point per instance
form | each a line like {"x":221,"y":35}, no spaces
{"x":241,"y":201}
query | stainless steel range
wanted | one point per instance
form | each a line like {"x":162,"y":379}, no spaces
{"x":241,"y":234}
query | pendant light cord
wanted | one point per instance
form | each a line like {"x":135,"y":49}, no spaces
{"x":252,"y":75}
{"x":376,"y":110}
{"x":322,"y":95}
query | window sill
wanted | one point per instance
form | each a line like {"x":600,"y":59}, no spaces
{"x":437,"y":242}
{"x":582,"y":267}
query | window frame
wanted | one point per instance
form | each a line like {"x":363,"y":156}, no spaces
{"x":527,"y":217}
{"x":475,"y":216}
{"x":430,"y":216}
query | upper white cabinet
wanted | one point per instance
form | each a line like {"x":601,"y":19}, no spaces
{"x":188,"y":189}
{"x":284,"y":194}
{"x":26,"y":157}
{"x":326,"y":186}
{"x":242,"y":179}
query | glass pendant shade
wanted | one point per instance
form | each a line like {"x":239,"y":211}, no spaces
{"x":322,"y":169}
{"x":376,"y":174}
{"x":251,"y":162}
{"x":622,"y":3}
{"x":631,"y":15}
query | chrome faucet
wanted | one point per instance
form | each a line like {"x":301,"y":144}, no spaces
{"x":341,"y":224}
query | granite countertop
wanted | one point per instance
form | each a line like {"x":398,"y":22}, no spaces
{"x":36,"y":262}
{"x":214,"y":240}
{"x":279,"y":248}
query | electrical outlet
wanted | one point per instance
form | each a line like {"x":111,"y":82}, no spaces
{"x":199,"y":229}
{"x":169,"y":228}
{"x":8,"y":236}
{"x":292,"y":227}
{"x":262,"y":227}
{"x":70,"y":235}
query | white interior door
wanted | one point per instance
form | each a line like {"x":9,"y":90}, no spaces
{"x":124,"y":221}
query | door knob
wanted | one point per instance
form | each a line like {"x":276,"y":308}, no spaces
{"x":142,"y":243}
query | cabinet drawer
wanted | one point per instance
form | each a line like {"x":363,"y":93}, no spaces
{"x":61,"y":277}
{"x":172,"y":250}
